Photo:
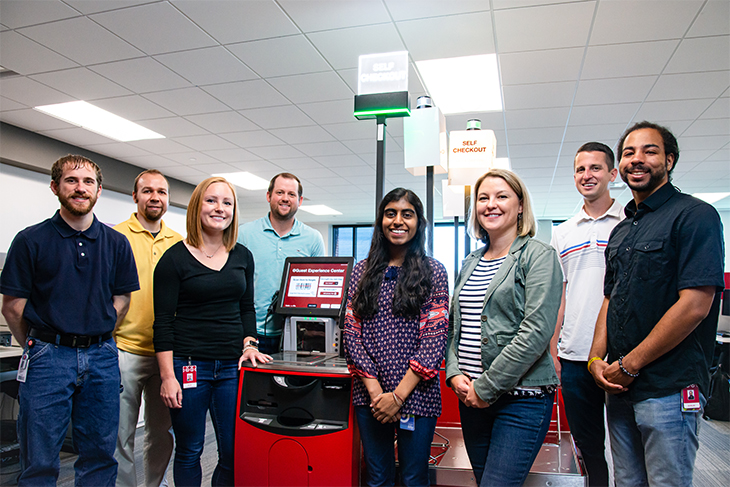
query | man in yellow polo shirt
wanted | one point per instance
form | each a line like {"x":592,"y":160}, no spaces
{"x":149,"y":238}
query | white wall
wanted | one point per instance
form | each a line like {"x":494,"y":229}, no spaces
{"x":26,"y":199}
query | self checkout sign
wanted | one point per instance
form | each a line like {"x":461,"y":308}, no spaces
{"x":383,"y":73}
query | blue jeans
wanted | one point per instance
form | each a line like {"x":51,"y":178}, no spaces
{"x":584,"y":406}
{"x":216,"y":391}
{"x":503,"y":440}
{"x":414,"y":449}
{"x":63,"y":384}
{"x":653,"y":442}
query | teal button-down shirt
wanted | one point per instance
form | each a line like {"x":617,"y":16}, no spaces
{"x":269,"y":253}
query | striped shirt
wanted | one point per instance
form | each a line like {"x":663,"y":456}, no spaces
{"x":471,"y":304}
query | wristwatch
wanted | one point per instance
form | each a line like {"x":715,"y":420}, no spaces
{"x":252,"y":343}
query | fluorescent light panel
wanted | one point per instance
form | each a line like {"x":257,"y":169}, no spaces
{"x":89,"y":117}
{"x":320,"y":210}
{"x":711,"y":197}
{"x":463,"y":84}
{"x":245,"y":180}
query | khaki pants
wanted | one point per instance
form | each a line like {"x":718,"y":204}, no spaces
{"x":141,"y":374}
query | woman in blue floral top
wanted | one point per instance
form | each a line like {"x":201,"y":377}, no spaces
{"x":395,"y":332}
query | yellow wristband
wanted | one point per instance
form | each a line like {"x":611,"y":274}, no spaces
{"x":591,"y":361}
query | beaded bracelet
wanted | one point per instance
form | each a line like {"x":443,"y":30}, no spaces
{"x":623,"y":369}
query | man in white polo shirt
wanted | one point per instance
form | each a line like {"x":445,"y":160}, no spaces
{"x":581,"y":244}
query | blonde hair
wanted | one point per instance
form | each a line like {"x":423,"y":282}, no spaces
{"x":195,"y":228}
{"x":526,"y":223}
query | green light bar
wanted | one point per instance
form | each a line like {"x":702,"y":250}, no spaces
{"x":391,"y":111}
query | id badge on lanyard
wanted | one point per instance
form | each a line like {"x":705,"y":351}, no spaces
{"x":190,"y":376}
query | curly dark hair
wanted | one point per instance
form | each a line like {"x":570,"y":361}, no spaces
{"x":414,"y":283}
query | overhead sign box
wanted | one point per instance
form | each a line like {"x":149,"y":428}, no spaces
{"x":424,"y":134}
{"x":471,"y":154}
{"x":382,"y":73}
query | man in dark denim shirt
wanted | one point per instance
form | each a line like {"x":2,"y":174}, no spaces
{"x":664,"y":265}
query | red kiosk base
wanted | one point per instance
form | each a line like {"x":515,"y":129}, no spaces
{"x":296,"y":425}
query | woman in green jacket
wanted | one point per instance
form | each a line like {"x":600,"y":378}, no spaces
{"x":503,"y":315}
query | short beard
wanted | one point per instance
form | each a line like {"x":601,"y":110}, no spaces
{"x":150,"y":217}
{"x":75,"y":211}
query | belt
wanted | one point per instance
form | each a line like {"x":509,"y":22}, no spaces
{"x":75,"y":341}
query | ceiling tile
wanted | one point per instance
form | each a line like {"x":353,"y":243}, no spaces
{"x":155,"y":28}
{"x":545,"y":95}
{"x":186,"y":101}
{"x":161,"y":146}
{"x":81,"y":83}
{"x":298,"y":163}
{"x":294,"y":55}
{"x":351,"y":131}
{"x":30,"y":93}
{"x":192,"y":158}
{"x":32,"y":119}
{"x":709,"y":142}
{"x":553,"y":65}
{"x":535,"y":135}
{"x":624,"y":60}
{"x":8,"y":104}
{"x":719,"y":109}
{"x":527,"y":29}
{"x":247,"y":94}
{"x":89,"y":44}
{"x":691,"y":85}
{"x":340,"y":160}
{"x":468,"y":35}
{"x":276,"y":152}
{"x":343,"y":47}
{"x":207,"y":66}
{"x":205,"y":142}
{"x":76,"y":136}
{"x":151,"y":161}
{"x":216,"y":168}
{"x":119,"y":150}
{"x":314,"y":15}
{"x":626,"y":20}
{"x":95,"y":6}
{"x":692,"y":55}
{"x":25,"y":56}
{"x":223,"y":122}
{"x":296,"y":135}
{"x":326,"y":112}
{"x":535,"y":118}
{"x":607,"y":113}
{"x":233,"y":155}
{"x":184,"y":172}
{"x":278,"y":117}
{"x":546,"y":151}
{"x":307,"y":88}
{"x":708,"y":127}
{"x":133,"y":108}
{"x":672,"y":110}
{"x":408,"y":9}
{"x":611,"y":91}
{"x":578,"y":134}
{"x":713,"y":20}
{"x":173,"y":127}
{"x":127,"y":73}
{"x":323,"y":149}
{"x":230,"y":22}
{"x":254,"y":138}
{"x":15,"y":15}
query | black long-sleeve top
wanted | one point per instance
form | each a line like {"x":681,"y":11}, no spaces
{"x":200,"y":312}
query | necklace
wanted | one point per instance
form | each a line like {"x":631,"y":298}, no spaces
{"x":202,"y":249}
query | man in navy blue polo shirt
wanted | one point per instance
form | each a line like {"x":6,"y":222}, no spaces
{"x":664,"y":265}
{"x":67,"y":282}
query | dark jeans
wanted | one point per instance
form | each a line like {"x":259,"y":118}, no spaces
{"x":414,"y":448}
{"x":503,"y":440}
{"x":64,"y":383}
{"x":584,"y":406}
{"x":217,"y":391}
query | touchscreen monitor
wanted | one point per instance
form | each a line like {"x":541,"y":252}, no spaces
{"x":314,"y":286}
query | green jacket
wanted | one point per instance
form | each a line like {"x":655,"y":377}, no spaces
{"x":518,"y":320}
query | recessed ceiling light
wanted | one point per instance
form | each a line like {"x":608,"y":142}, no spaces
{"x":463,"y":84}
{"x":245,"y":180}
{"x":711,"y":197}
{"x":95,"y":119}
{"x":319,"y":210}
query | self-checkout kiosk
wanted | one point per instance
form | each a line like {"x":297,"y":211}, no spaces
{"x":295,"y":422}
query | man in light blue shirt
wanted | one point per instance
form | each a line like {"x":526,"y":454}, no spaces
{"x":271,"y":240}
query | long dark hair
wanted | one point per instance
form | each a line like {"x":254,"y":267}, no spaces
{"x":414,"y":283}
